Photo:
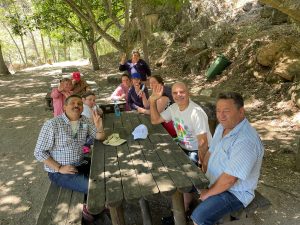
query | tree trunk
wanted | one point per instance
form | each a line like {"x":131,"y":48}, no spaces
{"x":89,"y":17}
{"x":44,"y":48}
{"x":141,"y":26}
{"x":58,"y":58}
{"x":52,"y":49}
{"x":83,"y":49}
{"x":93,"y":55}
{"x":15,"y":44}
{"x":3,"y":67}
{"x":24,"y":50}
{"x":65,"y":51}
{"x":35,"y":48}
{"x":126,"y":27}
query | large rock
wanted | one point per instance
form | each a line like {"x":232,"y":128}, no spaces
{"x":278,"y":17}
{"x":266,"y":12}
{"x":217,"y":35}
{"x":269,"y":54}
{"x":288,"y":67}
{"x":294,"y":91}
{"x":289,"y":7}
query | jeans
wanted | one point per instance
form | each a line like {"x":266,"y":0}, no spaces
{"x":76,"y":182}
{"x":215,"y":207}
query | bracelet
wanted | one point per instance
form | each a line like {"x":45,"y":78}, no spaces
{"x":100,"y":131}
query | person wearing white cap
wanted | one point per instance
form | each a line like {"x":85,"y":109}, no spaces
{"x":190,"y":122}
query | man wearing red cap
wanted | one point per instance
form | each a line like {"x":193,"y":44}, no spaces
{"x":79,"y":85}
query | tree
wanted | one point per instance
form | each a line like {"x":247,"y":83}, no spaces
{"x":69,"y":28}
{"x":3,"y":67}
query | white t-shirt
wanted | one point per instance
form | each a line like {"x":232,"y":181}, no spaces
{"x":188,"y":124}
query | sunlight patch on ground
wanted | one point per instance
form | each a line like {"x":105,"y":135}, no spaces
{"x":11,"y":200}
{"x":82,"y":62}
{"x":253,"y":104}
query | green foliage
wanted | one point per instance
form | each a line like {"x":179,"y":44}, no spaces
{"x":177,"y":4}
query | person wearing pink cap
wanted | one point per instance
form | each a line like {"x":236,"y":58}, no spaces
{"x":60,"y":94}
{"x":79,"y":85}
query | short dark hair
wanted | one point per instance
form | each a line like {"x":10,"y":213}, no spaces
{"x":88,"y":93}
{"x":65,"y":79}
{"x":236,"y":97}
{"x":158,"y":78}
{"x":69,"y":98}
{"x":125,"y":75}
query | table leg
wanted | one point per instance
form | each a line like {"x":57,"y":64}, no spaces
{"x":178,"y":208}
{"x":144,"y":204}
{"x":117,"y":215}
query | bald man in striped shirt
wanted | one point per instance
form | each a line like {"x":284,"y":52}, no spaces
{"x":232,"y":163}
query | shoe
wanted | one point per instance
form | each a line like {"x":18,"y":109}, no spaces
{"x":167,"y":220}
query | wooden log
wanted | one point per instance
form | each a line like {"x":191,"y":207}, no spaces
{"x":117,"y":215}
{"x":144,"y":204}
{"x":178,"y":208}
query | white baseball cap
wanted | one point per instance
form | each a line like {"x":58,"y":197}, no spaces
{"x":140,"y":132}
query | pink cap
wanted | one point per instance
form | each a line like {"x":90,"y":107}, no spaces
{"x":76,"y":76}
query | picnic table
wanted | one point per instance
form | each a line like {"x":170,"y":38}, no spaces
{"x":107,"y":106}
{"x":139,"y":169}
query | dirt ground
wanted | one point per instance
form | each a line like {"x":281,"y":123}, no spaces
{"x":23,"y":183}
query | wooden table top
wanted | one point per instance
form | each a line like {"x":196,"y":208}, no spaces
{"x":138,"y":168}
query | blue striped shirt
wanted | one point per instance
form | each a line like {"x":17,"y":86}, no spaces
{"x":239,"y":154}
{"x":57,"y":140}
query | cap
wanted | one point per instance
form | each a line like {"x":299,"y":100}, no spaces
{"x":140,"y":132}
{"x":114,"y":140}
{"x":136,"y":76}
{"x":76,"y":76}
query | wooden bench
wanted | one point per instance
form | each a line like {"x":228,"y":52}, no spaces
{"x":69,"y":70}
{"x":109,"y":107}
{"x":49,"y":101}
{"x":61,"y":206}
{"x":246,"y":216}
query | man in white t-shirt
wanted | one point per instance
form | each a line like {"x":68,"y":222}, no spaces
{"x":190,"y":123}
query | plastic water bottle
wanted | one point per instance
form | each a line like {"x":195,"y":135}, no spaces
{"x":117,"y":109}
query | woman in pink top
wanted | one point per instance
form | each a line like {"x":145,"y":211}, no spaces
{"x":121,"y":92}
{"x":59,"y":95}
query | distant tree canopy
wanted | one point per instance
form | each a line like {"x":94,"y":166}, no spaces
{"x":73,"y":21}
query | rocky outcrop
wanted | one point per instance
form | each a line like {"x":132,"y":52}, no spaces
{"x":283,"y":56}
{"x":289,"y":7}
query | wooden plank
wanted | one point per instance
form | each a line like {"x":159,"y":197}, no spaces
{"x":178,"y":208}
{"x":145,"y":209}
{"x":114,"y":189}
{"x":162,"y":179}
{"x":164,"y":183}
{"x":196,"y":176}
{"x":49,"y":205}
{"x":96,"y":192}
{"x":117,"y":215}
{"x":60,"y":215}
{"x":75,"y":209}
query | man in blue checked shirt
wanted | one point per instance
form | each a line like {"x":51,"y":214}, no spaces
{"x":232,"y":163}
{"x":59,"y":145}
